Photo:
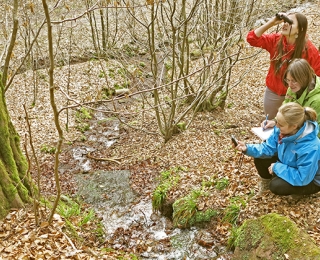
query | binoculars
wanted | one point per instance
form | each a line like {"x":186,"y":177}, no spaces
{"x":285,"y":18}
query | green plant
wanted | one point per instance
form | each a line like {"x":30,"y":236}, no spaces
{"x":186,"y":213}
{"x":233,"y":210}
{"x":184,"y":209}
{"x":48,"y":149}
{"x":234,"y":234}
{"x":101,"y":74}
{"x":129,"y":50}
{"x":83,"y":138}
{"x":122,"y":72}
{"x":87,"y":217}
{"x":168,"y":65}
{"x":83,"y":114}
{"x":230,"y":105}
{"x":116,"y":86}
{"x":182,"y":125}
{"x":204,"y":216}
{"x":111,"y":75}
{"x":82,"y":127}
{"x":207,"y":183}
{"x":222,"y":184}
{"x":168,"y":179}
{"x":76,"y":217}
{"x":68,"y":208}
{"x":126,"y":84}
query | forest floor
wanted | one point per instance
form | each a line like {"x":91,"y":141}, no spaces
{"x":204,"y":149}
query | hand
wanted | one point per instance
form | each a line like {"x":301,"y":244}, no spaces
{"x":269,"y":124}
{"x":241,"y":146}
{"x":270,"y":169}
{"x":276,"y":20}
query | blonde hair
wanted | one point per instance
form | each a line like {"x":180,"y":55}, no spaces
{"x":295,"y":114}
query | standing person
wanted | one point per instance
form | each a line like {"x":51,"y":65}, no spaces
{"x":295,"y":142}
{"x":303,"y":88}
{"x":290,"y":43}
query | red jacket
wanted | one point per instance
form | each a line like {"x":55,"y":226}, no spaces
{"x":269,"y":42}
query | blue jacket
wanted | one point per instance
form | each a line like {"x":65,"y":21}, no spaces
{"x":299,"y":154}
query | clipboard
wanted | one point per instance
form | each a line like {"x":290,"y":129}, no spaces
{"x":262,"y":134}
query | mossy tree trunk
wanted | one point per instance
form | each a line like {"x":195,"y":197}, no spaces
{"x":15,"y":186}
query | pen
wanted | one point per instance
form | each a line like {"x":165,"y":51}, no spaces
{"x":265,"y":122}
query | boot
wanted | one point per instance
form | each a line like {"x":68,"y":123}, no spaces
{"x":263,"y":186}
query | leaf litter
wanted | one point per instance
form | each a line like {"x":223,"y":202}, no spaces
{"x":203,"y":150}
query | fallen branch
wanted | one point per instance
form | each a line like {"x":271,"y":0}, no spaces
{"x":104,"y":159}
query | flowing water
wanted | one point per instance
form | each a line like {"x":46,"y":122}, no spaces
{"x":128,"y":218}
{"x":130,"y":222}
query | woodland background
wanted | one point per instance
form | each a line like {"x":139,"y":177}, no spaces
{"x":179,"y":76}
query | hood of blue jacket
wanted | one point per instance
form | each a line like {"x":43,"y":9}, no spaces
{"x":308,"y":131}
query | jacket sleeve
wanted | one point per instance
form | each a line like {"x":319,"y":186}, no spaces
{"x":316,"y":106}
{"x":313,"y":57}
{"x":304,"y":173}
{"x":264,"y":150}
{"x":265,"y":41}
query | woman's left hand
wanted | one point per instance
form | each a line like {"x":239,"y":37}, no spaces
{"x":271,"y":169}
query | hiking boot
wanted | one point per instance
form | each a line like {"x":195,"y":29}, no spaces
{"x":263,"y":186}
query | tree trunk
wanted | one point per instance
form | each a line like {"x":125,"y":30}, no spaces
{"x":15,"y":185}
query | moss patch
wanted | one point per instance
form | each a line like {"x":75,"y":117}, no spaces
{"x":273,"y":237}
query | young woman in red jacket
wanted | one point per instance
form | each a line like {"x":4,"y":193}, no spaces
{"x":291,"y":42}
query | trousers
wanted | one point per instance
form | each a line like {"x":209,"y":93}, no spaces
{"x":271,"y":103}
{"x":279,"y":186}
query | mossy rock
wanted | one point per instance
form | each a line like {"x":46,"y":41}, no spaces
{"x":271,"y":237}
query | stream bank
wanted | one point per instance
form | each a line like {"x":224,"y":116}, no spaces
{"x":127,"y":216}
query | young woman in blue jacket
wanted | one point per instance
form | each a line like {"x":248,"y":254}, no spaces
{"x":296,"y":169}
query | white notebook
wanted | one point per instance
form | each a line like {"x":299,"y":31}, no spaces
{"x":263,"y":134}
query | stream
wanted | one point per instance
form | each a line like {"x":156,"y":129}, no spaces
{"x":129,"y":221}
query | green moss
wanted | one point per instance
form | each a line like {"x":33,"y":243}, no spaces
{"x":182,"y":126}
{"x":255,"y":230}
{"x":280,"y":229}
{"x":273,"y":236}
{"x":4,"y":205}
{"x":15,"y":186}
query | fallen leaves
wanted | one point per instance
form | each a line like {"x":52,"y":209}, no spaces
{"x":22,"y":239}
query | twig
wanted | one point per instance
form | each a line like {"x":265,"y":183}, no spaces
{"x":104,"y":159}
{"x":72,"y":245}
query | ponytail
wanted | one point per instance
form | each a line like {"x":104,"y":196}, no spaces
{"x":310,"y":114}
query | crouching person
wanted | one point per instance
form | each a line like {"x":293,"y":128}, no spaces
{"x":293,"y":152}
